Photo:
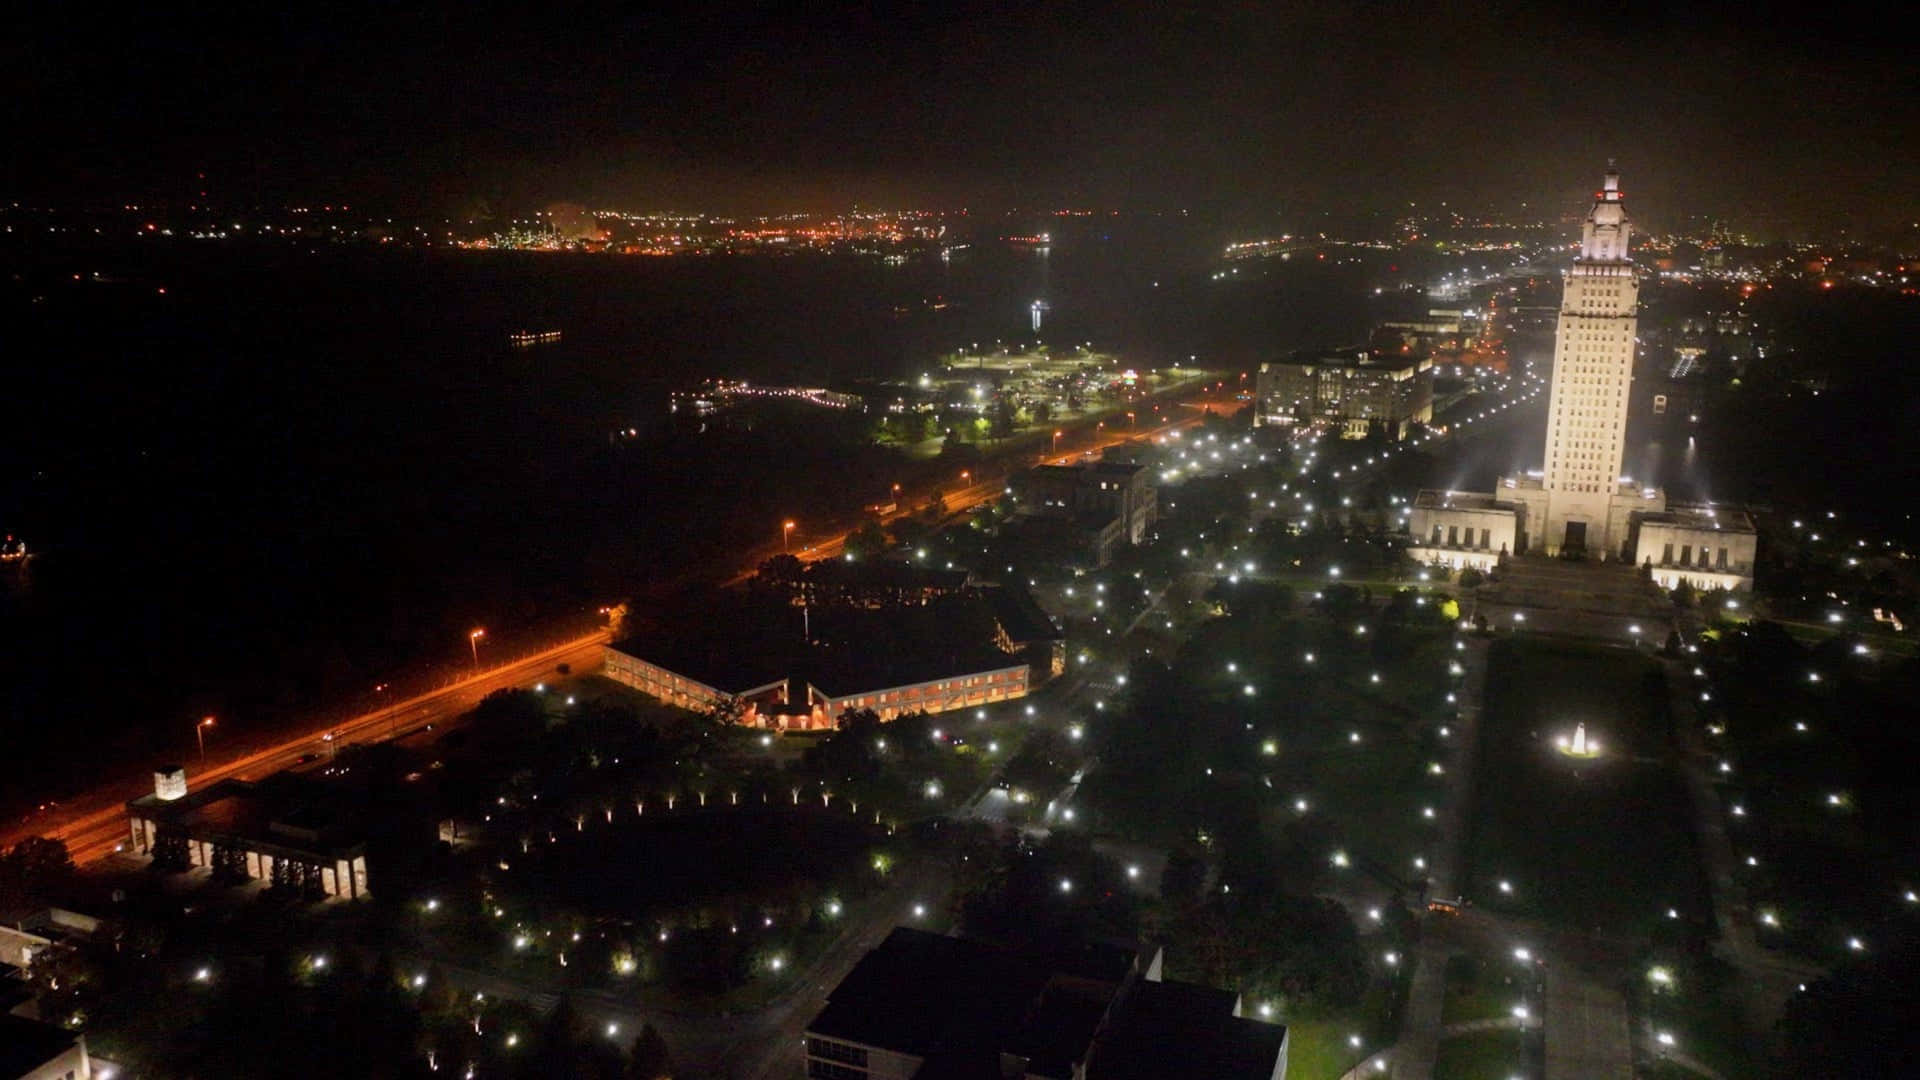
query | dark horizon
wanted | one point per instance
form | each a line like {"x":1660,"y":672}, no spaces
{"x":1246,"y":114}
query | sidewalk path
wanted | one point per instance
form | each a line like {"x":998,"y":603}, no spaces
{"x":1420,"y":1035}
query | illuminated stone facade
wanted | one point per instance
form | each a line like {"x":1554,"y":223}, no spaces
{"x":280,"y":832}
{"x":1592,"y":372}
{"x":1580,"y":504}
{"x":814,"y":702}
{"x":1351,"y":393}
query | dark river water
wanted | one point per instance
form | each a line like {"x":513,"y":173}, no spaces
{"x":296,"y":472}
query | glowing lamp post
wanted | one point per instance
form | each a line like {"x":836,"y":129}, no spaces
{"x":786,"y":536}
{"x":200,"y":736}
{"x":384,"y":691}
{"x":473,"y":645}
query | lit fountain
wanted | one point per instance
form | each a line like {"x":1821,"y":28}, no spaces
{"x":1580,"y":746}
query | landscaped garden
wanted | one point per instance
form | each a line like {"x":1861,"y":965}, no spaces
{"x":1813,"y":760}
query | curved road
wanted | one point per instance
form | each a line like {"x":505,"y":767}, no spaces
{"x":94,"y":825}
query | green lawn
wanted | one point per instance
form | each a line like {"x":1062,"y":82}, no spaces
{"x":1482,"y":1055}
{"x":1317,"y":1049}
{"x":1605,"y":842}
{"x":1825,"y":871}
{"x":1478,"y":989}
{"x":1706,"y":1013}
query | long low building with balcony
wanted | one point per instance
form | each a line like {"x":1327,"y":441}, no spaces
{"x":695,"y":678}
{"x":815,"y":686}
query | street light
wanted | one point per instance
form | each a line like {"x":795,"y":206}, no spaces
{"x":200,"y":735}
{"x":473,"y":644}
{"x":786,"y":534}
{"x":392,"y":717}
{"x":1056,"y":442}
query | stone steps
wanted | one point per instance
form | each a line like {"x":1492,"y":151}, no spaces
{"x":1610,"y":587}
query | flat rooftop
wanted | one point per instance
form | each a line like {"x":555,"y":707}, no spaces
{"x":839,"y":672}
{"x":879,"y":573}
{"x":750,"y":646}
{"x":922,"y":993}
{"x":1434,"y":499}
{"x":286,"y":810}
{"x":1019,"y":614}
{"x":1080,"y":471}
{"x":959,"y":1002}
{"x":731,"y":654}
{"x":1183,"y":1029}
{"x":1356,"y":358}
{"x":1705,"y":518}
{"x":26,"y":1045}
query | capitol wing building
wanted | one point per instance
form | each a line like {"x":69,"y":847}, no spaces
{"x":1579,"y":503}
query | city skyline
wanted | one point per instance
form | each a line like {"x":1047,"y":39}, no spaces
{"x":1346,"y":109}
{"x":1103,"y":540}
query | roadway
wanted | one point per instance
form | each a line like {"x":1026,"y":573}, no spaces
{"x":94,"y":826}
{"x":990,"y":485}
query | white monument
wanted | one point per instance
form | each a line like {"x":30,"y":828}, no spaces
{"x":1580,"y":746}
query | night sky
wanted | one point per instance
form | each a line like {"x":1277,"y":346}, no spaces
{"x":1237,"y":108}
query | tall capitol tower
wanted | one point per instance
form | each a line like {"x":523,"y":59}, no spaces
{"x":1579,"y":506}
{"x":1592,"y":374}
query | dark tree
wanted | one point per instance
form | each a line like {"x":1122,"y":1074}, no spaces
{"x":1184,"y":877}
{"x":867,"y":540}
{"x":649,"y":1059}
{"x":34,"y":869}
{"x":1858,"y":1020}
{"x":781,"y":570}
{"x":1002,"y":417}
{"x":508,"y":722}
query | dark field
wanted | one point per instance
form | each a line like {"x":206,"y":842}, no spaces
{"x":1605,"y":843}
{"x":682,"y":859}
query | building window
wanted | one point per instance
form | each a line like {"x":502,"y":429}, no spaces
{"x":837,"y":1051}
{"x":1686,"y":554}
{"x":1453,"y":536}
{"x":1721,"y":562}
